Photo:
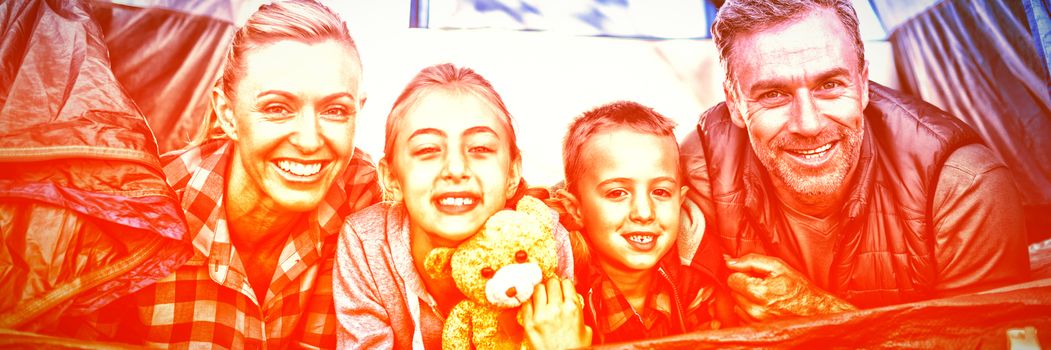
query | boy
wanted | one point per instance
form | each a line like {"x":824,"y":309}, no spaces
{"x":624,"y":189}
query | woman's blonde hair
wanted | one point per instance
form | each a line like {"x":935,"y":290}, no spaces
{"x":306,"y":21}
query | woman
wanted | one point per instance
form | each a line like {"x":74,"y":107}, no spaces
{"x":265,"y":190}
{"x":450,"y":162}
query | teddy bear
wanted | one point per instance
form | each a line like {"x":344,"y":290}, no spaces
{"x":496,"y":269}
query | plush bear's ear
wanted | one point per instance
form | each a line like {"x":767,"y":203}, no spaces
{"x":535,"y":208}
{"x":439,"y":263}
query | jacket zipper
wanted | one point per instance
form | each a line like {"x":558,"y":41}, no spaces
{"x":675,"y":299}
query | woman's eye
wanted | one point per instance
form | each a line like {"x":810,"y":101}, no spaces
{"x":276,"y":109}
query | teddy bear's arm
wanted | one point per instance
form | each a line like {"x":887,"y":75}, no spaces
{"x":457,"y":332}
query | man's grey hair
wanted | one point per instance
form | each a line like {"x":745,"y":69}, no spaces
{"x":739,"y":17}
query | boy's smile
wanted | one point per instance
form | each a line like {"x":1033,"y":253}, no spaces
{"x":628,"y":197}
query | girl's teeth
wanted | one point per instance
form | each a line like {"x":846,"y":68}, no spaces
{"x":457,"y":201}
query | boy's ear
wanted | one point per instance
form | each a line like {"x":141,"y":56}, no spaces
{"x":439,"y":263}
{"x":390,"y":182}
{"x":515,"y":176}
{"x":223,"y":109}
{"x":572,"y":205}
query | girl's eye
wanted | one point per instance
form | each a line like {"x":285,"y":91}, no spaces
{"x":660,"y":192}
{"x":426,"y":150}
{"x":488,"y":273}
{"x":616,"y":194}
{"x":480,"y":149}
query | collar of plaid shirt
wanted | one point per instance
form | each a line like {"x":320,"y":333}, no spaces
{"x":198,"y":175}
{"x":612,"y":304}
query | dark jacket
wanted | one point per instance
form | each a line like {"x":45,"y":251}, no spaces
{"x":885,"y":252}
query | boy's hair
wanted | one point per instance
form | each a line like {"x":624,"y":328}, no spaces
{"x":619,"y":114}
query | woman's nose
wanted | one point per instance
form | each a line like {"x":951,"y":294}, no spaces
{"x":307,"y":134}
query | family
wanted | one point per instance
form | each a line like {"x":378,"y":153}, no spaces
{"x":811,"y":190}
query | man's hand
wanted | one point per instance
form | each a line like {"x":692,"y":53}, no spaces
{"x":765,"y":289}
{"x":554,"y":317}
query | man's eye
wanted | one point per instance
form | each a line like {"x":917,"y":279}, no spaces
{"x":772,"y":95}
{"x":336,"y":112}
{"x":829,"y":85}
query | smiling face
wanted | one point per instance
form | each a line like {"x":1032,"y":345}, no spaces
{"x":292,"y":119}
{"x":801,"y":100}
{"x":451,"y":164}
{"x":628,"y":198}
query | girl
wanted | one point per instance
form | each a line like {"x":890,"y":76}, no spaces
{"x":450,"y":161}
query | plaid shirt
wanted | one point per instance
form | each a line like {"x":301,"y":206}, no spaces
{"x":208,"y":302}
{"x":615,"y":320}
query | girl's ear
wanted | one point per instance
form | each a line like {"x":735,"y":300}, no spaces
{"x":682,"y":194}
{"x":224,"y":112}
{"x":390,"y":183}
{"x":515,"y":177}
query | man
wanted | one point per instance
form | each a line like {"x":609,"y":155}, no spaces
{"x":832,"y":192}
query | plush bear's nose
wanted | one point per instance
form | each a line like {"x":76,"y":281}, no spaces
{"x":511,"y":292}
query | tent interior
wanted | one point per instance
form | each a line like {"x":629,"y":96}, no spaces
{"x":985,"y":61}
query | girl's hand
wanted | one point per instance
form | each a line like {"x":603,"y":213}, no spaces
{"x":554,"y":317}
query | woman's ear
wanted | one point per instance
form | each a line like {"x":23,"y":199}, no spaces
{"x":390,"y":182}
{"x":224,"y":112}
{"x":515,"y":177}
{"x":682,"y":193}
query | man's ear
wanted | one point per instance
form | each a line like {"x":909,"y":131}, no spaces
{"x":390,"y":183}
{"x":224,"y":112}
{"x":572,"y":205}
{"x":733,"y":104}
{"x":864,"y":84}
{"x":515,"y":176}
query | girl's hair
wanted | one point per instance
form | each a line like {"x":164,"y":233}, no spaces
{"x":306,"y":21}
{"x":461,"y":80}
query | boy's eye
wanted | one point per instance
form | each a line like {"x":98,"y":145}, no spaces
{"x":616,"y":193}
{"x":488,"y":273}
{"x":661,"y":192}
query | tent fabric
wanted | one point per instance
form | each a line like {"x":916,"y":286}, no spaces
{"x":86,"y":215}
{"x":167,"y":57}
{"x":977,"y":60}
